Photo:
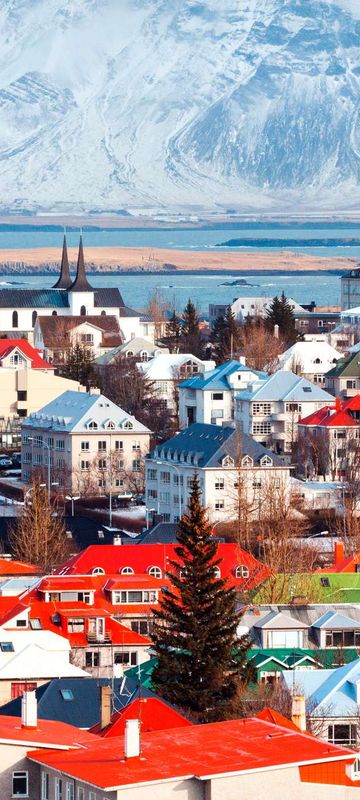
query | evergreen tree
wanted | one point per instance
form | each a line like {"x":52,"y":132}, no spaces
{"x":201,"y":663}
{"x":191,"y":341}
{"x":80,"y":365}
{"x":173,"y":332}
{"x":280,"y":313}
{"x":225,"y":337}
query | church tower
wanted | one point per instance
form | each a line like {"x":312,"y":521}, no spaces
{"x":81,"y":294}
{"x":64,"y":281}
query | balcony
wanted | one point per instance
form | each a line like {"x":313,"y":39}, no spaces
{"x":99,"y":638}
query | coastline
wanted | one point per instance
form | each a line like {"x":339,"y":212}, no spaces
{"x":123,"y":260}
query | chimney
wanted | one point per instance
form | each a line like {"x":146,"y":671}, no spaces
{"x":339,"y":554}
{"x":105,"y":706}
{"x":337,"y":404}
{"x":276,"y":331}
{"x":117,"y":539}
{"x":29,"y":710}
{"x":298,"y":712}
{"x":242,"y":360}
{"x":132,"y":738}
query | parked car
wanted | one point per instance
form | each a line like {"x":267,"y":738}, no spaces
{"x":5,"y":462}
{"x":138,"y":500}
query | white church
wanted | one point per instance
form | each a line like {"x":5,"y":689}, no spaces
{"x":20,"y":308}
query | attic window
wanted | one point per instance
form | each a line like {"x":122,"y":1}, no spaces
{"x":325,"y":582}
{"x":93,"y":426}
{"x":266,"y":461}
{"x":242,"y":571}
{"x":98,"y":570}
{"x":228,"y":461}
{"x":127,"y":571}
{"x":6,"y":647}
{"x":35,"y":624}
{"x":247,"y":461}
{"x":66,"y":694}
{"x":307,"y":389}
{"x":110,"y":425}
{"x":128,"y":425}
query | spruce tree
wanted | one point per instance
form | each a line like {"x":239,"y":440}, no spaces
{"x":191,"y":341}
{"x":173,"y":332}
{"x":201,"y":663}
{"x":280,"y":313}
{"x":225,"y":337}
{"x":79,"y":365}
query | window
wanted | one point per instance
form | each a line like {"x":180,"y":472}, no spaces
{"x":261,"y":428}
{"x":219,"y":505}
{"x":83,"y":311}
{"x":247,"y":461}
{"x":217,"y":396}
{"x":178,"y":479}
{"x":92,"y":796}
{"x":80,"y":793}
{"x":152,"y":494}
{"x":217,"y":573}
{"x":261,"y":408}
{"x":119,"y":445}
{"x":15,"y":319}
{"x":293,"y":407}
{"x":266,"y":461}
{"x":6,"y":647}
{"x":155,"y":572}
{"x":101,"y":483}
{"x":58,"y":789}
{"x":92,"y":659}
{"x":98,"y":571}
{"x":84,"y":464}
{"x":45,"y":786}
{"x":102,"y":463}
{"x":285,"y":638}
{"x":102,"y":444}
{"x":128,"y":425}
{"x":356,"y":769}
{"x":127,"y":571}
{"x":124,"y":657}
{"x":219,"y":483}
{"x":216,"y":413}
{"x":119,"y":463}
{"x":22,"y":396}
{"x":70,"y":791}
{"x":21,"y":623}
{"x":136,"y":446}
{"x":76,"y":625}
{"x":129,"y":354}
{"x":144,"y":355}
{"x":85,"y":446}
{"x":60,"y":444}
{"x":93,"y":426}
{"x":345,"y":638}
{"x":20,"y":784}
{"x":165,"y":477}
{"x":67,"y":695}
{"x":242,"y":571}
{"x":342,"y":734}
{"x":110,"y":425}
{"x":87,"y":338}
{"x":136,"y":465}
{"x":152,"y":474}
{"x":351,"y":384}
{"x":140,"y":626}
{"x":38,"y":459}
{"x":165,"y":497}
{"x":35,"y":624}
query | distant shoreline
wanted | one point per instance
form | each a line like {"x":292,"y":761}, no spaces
{"x":175,"y":273}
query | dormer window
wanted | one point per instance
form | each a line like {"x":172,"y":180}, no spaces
{"x":98,"y":571}
{"x":228,"y":461}
{"x":266,"y":461}
{"x":110,"y":425}
{"x":242,"y":571}
{"x":247,"y":461}
{"x":155,"y":572}
{"x":92,"y":426}
{"x":128,"y":425}
{"x":217,"y":573}
{"x":127,"y":571}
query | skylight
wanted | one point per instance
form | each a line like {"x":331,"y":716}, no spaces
{"x":66,"y":694}
{"x":6,"y":647}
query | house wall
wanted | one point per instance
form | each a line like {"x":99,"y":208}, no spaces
{"x":279,"y":429}
{"x":107,"y":653}
{"x":5,"y":688}
{"x":13,"y":759}
{"x":41,"y":386}
{"x":87,"y":479}
{"x":271,"y":784}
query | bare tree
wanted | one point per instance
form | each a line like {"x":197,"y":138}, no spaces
{"x":260,"y":348}
{"x":38,"y":536}
{"x":157,"y":308}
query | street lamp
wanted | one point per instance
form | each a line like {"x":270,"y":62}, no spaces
{"x":179,"y":484}
{"x":72,"y":498}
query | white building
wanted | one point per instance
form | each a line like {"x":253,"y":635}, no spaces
{"x":91,"y":442}
{"x":209,"y":397}
{"x":221,"y":459}
{"x":269,"y":410}
{"x":165,"y":371}
{"x":243,"y":307}
{"x":20,"y":307}
{"x":311,"y":359}
{"x":29,"y":658}
{"x":55,"y":336}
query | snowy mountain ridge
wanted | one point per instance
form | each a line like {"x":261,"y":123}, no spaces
{"x":248,"y":104}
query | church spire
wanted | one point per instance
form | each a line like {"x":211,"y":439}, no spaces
{"x":81,"y":283}
{"x":64,"y":281}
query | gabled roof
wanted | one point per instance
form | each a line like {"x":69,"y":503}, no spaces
{"x":56,"y":331}
{"x":329,"y":692}
{"x":7,"y":346}
{"x":154,"y":713}
{"x":332,"y":619}
{"x":277,"y":620}
{"x":73,"y":411}
{"x":166,"y":366}
{"x":283,"y":385}
{"x":136,"y":345}
{"x":311,"y":357}
{"x":269,"y":715}
{"x":208,"y":445}
{"x":197,"y":751}
{"x":217,"y":379}
{"x":13,"y":567}
{"x":348,"y":366}
{"x":330,"y":417}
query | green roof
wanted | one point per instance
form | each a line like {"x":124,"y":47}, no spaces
{"x":290,"y":658}
{"x":143,"y":673}
{"x":346,"y":367}
{"x":319,"y":587}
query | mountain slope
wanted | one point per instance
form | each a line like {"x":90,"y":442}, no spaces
{"x":107,"y":104}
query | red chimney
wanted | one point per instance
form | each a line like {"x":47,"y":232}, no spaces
{"x":339,"y":553}
{"x":337,"y":404}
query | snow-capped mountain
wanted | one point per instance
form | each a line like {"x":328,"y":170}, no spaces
{"x":106,"y":104}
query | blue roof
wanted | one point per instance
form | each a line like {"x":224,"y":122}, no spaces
{"x":207,"y":446}
{"x":328,"y":692}
{"x":216,"y":379}
{"x":284,"y":385}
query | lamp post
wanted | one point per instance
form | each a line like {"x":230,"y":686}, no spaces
{"x":72,"y":498}
{"x":179,"y":484}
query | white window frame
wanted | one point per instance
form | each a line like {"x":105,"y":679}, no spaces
{"x":20,"y":773}
{"x":70,"y":790}
{"x":156,"y":572}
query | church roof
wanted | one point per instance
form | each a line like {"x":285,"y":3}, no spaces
{"x":64,"y":281}
{"x":55,"y":298}
{"x":81,"y":283}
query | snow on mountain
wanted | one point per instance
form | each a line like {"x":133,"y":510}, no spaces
{"x":252,"y":104}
